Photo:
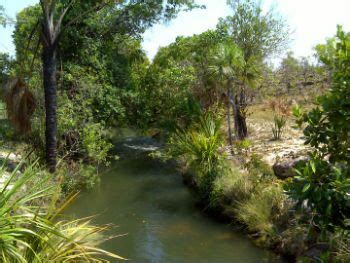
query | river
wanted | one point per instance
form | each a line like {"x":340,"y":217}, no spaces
{"x":147,"y":201}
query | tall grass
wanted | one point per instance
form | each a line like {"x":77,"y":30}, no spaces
{"x":260,"y":211}
{"x":30,"y":227}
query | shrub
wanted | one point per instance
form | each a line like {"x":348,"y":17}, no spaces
{"x":325,"y":185}
{"x":257,"y":167}
{"x":200,"y":146}
{"x":31,"y":229}
{"x":343,"y":250}
{"x":281,"y":111}
{"x":325,"y":188}
{"x":77,"y":176}
{"x":279,"y":122}
{"x":94,"y":143}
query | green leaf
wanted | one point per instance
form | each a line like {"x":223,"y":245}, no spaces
{"x":306,"y":187}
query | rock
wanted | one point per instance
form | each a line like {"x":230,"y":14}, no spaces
{"x":285,"y":169}
{"x":316,"y":250}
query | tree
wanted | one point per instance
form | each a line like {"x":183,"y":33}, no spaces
{"x":228,"y":58}
{"x":258,"y":35}
{"x":3,"y":18}
{"x":289,"y":70}
{"x":119,"y":16}
{"x":5,"y":66}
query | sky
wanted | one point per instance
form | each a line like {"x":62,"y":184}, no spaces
{"x":311,"y":22}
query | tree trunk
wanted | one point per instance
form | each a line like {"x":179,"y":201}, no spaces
{"x":241,"y":130}
{"x":50,"y":83}
{"x":229,"y":115}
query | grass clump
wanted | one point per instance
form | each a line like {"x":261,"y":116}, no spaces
{"x":261,"y":211}
{"x":253,"y":197}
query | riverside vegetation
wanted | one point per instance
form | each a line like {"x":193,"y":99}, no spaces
{"x":212,"y":98}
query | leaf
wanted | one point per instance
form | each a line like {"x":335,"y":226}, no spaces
{"x":313,"y":166}
{"x":306,"y":187}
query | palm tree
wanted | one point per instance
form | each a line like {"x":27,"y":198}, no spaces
{"x":51,"y":30}
{"x":227,"y":59}
{"x":50,"y":34}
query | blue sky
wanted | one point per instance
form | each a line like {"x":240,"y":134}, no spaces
{"x":311,"y":21}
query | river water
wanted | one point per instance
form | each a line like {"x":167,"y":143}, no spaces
{"x":148,"y":202}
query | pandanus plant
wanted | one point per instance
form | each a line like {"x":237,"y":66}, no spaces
{"x":32,"y":231}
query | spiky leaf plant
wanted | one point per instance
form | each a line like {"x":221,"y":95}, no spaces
{"x":31,"y":229}
{"x":201,"y":148}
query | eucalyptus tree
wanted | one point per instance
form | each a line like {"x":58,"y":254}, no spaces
{"x":289,"y":71}
{"x":60,"y":17}
{"x":259,"y":35}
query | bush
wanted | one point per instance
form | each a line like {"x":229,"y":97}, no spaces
{"x":200,"y":147}
{"x":31,"y":228}
{"x":234,"y":186}
{"x":257,"y":167}
{"x":281,"y":111}
{"x":279,"y":122}
{"x":77,"y":176}
{"x":93,"y":142}
{"x":325,"y":185}
{"x":325,"y":188}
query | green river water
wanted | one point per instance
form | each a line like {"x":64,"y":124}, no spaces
{"x":148,"y":202}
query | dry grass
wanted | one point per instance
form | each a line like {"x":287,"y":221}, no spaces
{"x":260,"y":123}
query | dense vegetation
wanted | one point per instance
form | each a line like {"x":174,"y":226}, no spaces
{"x":80,"y":73}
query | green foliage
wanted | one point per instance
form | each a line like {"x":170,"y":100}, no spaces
{"x":77,"y":176}
{"x":325,"y":185}
{"x":253,"y":197}
{"x":328,"y":124}
{"x":233,"y":186}
{"x":279,"y":123}
{"x":261,"y":211}
{"x":96,"y":147}
{"x":243,"y":146}
{"x":201,"y":147}
{"x":3,"y":17}
{"x":257,"y":167}
{"x":5,"y":68}
{"x":31,"y":230}
{"x":325,"y":188}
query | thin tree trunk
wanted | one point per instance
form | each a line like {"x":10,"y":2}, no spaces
{"x":50,"y":85}
{"x":241,"y":130}
{"x":229,"y":115}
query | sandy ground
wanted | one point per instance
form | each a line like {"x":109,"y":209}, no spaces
{"x":260,"y":123}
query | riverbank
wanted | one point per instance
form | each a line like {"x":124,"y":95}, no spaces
{"x":243,"y":189}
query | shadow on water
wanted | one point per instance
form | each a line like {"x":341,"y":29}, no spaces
{"x":147,"y":201}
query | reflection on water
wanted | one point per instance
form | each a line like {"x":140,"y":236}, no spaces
{"x":147,"y":200}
